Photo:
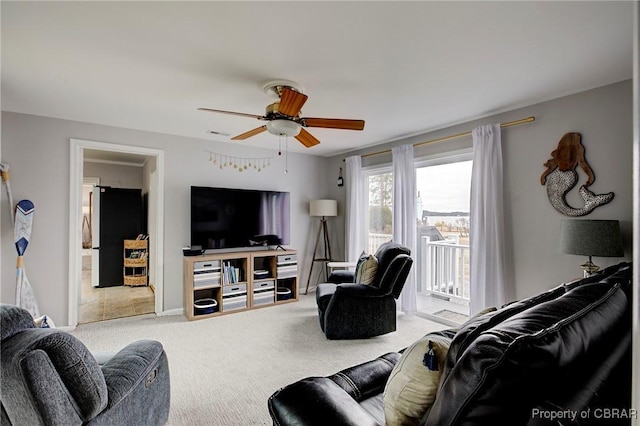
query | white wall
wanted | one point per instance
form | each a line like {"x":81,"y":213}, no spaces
{"x":114,"y":175}
{"x":37,"y":148}
{"x":148,"y":187}
{"x":604,"y":118}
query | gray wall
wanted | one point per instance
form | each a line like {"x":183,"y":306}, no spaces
{"x":37,"y":148}
{"x":115,"y":175}
{"x":604,"y":118}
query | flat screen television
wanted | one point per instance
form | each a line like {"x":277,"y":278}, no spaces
{"x":224,"y":218}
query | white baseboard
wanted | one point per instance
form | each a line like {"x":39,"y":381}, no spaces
{"x":177,"y":311}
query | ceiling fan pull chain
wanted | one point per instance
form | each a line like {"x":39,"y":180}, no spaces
{"x":286,"y":155}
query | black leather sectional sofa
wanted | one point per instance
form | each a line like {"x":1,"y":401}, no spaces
{"x":562,"y":357}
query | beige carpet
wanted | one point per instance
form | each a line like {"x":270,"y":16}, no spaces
{"x":224,"y":369}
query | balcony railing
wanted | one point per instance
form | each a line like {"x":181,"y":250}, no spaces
{"x":443,"y":266}
{"x":375,"y":240}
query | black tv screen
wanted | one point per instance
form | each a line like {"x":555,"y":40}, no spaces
{"x":223,"y":218}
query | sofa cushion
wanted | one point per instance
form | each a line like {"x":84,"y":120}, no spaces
{"x":366,"y":269}
{"x":413,"y":383}
{"x":471,"y":329}
{"x":617,"y":272}
{"x":546,"y":349}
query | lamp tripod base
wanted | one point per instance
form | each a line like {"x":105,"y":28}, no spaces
{"x":324,"y":234}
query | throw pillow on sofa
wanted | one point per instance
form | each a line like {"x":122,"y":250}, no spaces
{"x":413,"y":382}
{"x":366,"y":268}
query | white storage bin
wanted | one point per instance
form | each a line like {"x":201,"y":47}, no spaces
{"x":264,"y":297}
{"x":232,"y":303}
{"x":287,"y":258}
{"x":234,"y":290}
{"x":264,"y":285}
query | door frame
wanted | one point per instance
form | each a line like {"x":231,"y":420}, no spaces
{"x":75,"y":218}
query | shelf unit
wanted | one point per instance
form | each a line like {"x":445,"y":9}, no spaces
{"x":135,"y":266}
{"x":231,"y":282}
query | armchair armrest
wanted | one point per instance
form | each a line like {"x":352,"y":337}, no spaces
{"x":358,"y":290}
{"x":358,"y":311}
{"x":133,"y":364}
{"x":326,"y":291}
{"x":316,"y":401}
{"x":368,"y":379}
{"x":335,"y":399}
{"x":138,"y":386}
{"x":341,"y":276}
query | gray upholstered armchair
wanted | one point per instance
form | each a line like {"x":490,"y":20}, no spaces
{"x":50,"y":378}
{"x":357,"y":311}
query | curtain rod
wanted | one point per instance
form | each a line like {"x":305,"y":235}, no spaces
{"x":456,"y":136}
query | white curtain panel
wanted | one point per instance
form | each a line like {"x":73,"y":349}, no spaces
{"x":356,"y":240}
{"x":404,"y":217}
{"x":488,"y":280}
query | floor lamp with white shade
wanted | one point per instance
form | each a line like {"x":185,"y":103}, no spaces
{"x":322,"y":209}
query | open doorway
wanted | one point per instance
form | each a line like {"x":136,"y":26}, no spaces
{"x":113,"y":212}
{"x":106,"y":302}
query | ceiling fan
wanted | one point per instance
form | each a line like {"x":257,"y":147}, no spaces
{"x":283,"y":116}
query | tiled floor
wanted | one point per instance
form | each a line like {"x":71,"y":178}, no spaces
{"x":99,"y":304}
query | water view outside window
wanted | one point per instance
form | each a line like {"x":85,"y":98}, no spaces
{"x":442,"y":255}
{"x":444,"y":196}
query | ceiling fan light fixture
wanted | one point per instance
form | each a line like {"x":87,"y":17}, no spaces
{"x":275,"y":87}
{"x":283,"y":128}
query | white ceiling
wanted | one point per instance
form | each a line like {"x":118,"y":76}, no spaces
{"x":404,"y":67}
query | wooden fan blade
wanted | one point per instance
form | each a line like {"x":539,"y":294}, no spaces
{"x":307,"y":139}
{"x":291,"y":102}
{"x":241,"y":114}
{"x":250,"y":133}
{"x":333,"y":123}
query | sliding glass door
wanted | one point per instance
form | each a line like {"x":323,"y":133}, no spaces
{"x":442,"y":255}
{"x":441,"y":259}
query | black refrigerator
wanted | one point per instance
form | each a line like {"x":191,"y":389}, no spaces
{"x":116,"y":216}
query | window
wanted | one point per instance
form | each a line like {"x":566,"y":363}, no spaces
{"x":379,"y":210}
{"x":441,"y":259}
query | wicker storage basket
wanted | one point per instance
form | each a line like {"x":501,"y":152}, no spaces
{"x":135,"y":280}
{"x":135,"y":263}
{"x":135,"y":244}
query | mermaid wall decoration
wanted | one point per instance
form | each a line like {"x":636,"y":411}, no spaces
{"x":561,"y":177}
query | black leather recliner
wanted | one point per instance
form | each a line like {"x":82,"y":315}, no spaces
{"x":358,"y":311}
